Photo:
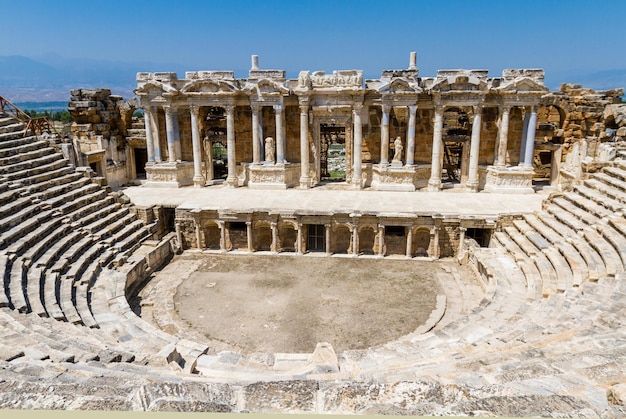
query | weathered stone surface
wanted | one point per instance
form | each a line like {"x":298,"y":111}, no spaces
{"x":281,"y":397}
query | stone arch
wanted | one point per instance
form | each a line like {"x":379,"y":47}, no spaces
{"x":262,"y":236}
{"x":367,"y":239}
{"x":212,"y":235}
{"x":287,"y":236}
{"x":342,"y":239}
{"x":421,"y":241}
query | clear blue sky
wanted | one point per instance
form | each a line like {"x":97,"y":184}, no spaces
{"x":560,"y":36}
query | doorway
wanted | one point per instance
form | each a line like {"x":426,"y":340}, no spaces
{"x":316,"y":238}
{"x":332,"y":153}
{"x":141,"y":158}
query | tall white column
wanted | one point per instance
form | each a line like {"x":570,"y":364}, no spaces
{"x":355,"y":240}
{"x":198,"y":178}
{"x":522,"y":151}
{"x":409,"y":242}
{"x":461,"y":241}
{"x":147,"y":119}
{"x":503,"y":136}
{"x":305,"y":180}
{"x":169,"y":130}
{"x":381,"y":240}
{"x":530,"y":138}
{"x":410,"y":136}
{"x":434,"y":183}
{"x":472,"y":180}
{"x":274,"y":247}
{"x":177,"y":148}
{"x":256,"y":134}
{"x":280,"y":140}
{"x":231,"y":179}
{"x":222,"y":227}
{"x":384,"y":136}
{"x":358,"y":144}
{"x":156,"y":142}
{"x":249,"y":235}
{"x":327,"y":228}
{"x":299,"y":244}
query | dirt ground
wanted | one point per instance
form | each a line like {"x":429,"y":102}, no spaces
{"x":268,"y":303}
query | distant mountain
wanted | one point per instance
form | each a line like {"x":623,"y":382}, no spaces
{"x":50,"y":77}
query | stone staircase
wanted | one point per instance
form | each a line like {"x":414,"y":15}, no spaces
{"x":58,"y":231}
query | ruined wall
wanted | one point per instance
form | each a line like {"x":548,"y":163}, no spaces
{"x":101,"y":123}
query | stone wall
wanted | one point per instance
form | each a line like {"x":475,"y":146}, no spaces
{"x":101,"y":123}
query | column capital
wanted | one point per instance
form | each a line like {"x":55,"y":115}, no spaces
{"x":168,"y":109}
{"x":304,"y":108}
{"x":278,"y":107}
{"x":256,"y":107}
{"x":478,"y":108}
{"x":439,"y":108}
{"x":412,"y":108}
{"x":505,"y":108}
{"x":229,"y":109}
{"x":386,"y":107}
{"x":194,"y":109}
{"x":248,"y":223}
{"x":357,"y":107}
{"x":462,"y":229}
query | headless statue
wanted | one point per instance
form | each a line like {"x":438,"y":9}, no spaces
{"x":397,"y":156}
{"x":269,"y":149}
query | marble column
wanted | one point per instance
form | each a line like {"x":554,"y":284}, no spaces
{"x":256,"y":134}
{"x":198,"y":239}
{"x":222,"y":227}
{"x":409,"y":242}
{"x":381,"y":240}
{"x":503,"y":136}
{"x":435,"y":240}
{"x":280,"y":140}
{"x":410,"y":136}
{"x":472,"y":180}
{"x":384,"y":136}
{"x":355,"y":241}
{"x":305,"y":180}
{"x":154,"y":124}
{"x":147,"y":119}
{"x":529,"y":153}
{"x":249,"y":235}
{"x":177,"y":148}
{"x":231,"y":179}
{"x":169,"y":129}
{"x":358,"y":144}
{"x":522,"y":151}
{"x":461,"y":241}
{"x":198,"y":178}
{"x":434,"y":183}
{"x":274,"y":246}
{"x":327,"y":228}
{"x":299,"y":244}
{"x":179,"y":235}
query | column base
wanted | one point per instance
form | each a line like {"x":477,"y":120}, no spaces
{"x":305,"y":182}
{"x":232,"y":181}
{"x":434,"y":185}
{"x":517,"y":179}
{"x":169,"y":174}
{"x":471,"y":186}
{"x":199,"y":181}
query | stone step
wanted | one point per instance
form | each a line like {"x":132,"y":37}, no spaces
{"x":25,"y":157}
{"x":615,"y":238}
{"x":47,"y":240}
{"x":19,"y":247}
{"x":599,"y":198}
{"x":609,"y":179}
{"x":57,"y":190}
{"x":7,"y":196}
{"x":23,"y":166}
{"x":14,"y":205}
{"x":12,"y":125}
{"x":16,"y":286}
{"x":19,"y":217}
{"x":66,"y":300}
{"x":24,"y":148}
{"x":72,"y":253}
{"x":4,"y":271}
{"x":61,"y":174}
{"x":57,"y":249}
{"x":96,"y":209}
{"x":12,"y":138}
{"x":52,"y":291}
{"x":612,"y":260}
{"x":66,"y":197}
{"x":587,"y":205}
{"x":566,"y":218}
{"x":616,"y":171}
{"x":53,"y":165}
{"x":89,"y":196}
{"x":34,"y":291}
{"x":594,"y":262}
{"x":82,"y":306}
{"x":586,"y":217}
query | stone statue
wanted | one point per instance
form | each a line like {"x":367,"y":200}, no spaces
{"x":397,"y":157}
{"x":269,"y":149}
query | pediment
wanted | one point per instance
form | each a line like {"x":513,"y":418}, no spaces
{"x":462,"y":83}
{"x":209,"y":87}
{"x":399,"y":87}
{"x":155,"y":88}
{"x":523,"y":84}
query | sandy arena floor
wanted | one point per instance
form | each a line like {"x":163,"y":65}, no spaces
{"x":269,"y":303}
